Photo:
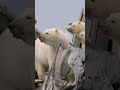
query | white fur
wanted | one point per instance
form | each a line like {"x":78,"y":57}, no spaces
{"x":81,"y":37}
{"x":43,"y":57}
{"x":76,"y":27}
{"x":44,"y":52}
{"x":55,"y":36}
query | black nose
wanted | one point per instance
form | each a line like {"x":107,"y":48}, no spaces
{"x":70,"y":24}
{"x":11,"y":26}
{"x":42,"y":39}
{"x":39,"y":37}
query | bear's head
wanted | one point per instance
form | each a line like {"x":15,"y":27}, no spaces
{"x":81,"y":37}
{"x":112,"y":26}
{"x":76,"y":27}
{"x":54,"y":37}
{"x":23,"y":27}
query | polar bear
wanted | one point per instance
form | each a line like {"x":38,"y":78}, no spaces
{"x":76,"y":27}
{"x":81,"y":37}
{"x":43,"y":57}
{"x":23,"y":27}
{"x":55,"y":36}
{"x":45,"y":47}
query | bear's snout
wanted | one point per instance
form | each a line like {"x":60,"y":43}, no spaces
{"x":42,"y":39}
{"x":69,"y":28}
{"x":70,"y":24}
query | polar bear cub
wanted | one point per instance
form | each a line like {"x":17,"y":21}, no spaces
{"x":76,"y":27}
{"x":81,"y":37}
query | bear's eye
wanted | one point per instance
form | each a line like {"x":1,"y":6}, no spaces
{"x":112,"y":21}
{"x":73,"y":25}
{"x":46,"y":33}
{"x":28,"y":17}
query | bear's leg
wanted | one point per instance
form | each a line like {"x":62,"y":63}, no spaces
{"x":41,"y":69}
{"x":50,"y":62}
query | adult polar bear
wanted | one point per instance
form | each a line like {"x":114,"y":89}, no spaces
{"x":43,"y":57}
{"x":17,"y":55}
{"x":45,"y":51}
{"x":55,"y":36}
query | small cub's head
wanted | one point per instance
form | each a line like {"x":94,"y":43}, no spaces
{"x":81,"y":37}
{"x":76,"y":27}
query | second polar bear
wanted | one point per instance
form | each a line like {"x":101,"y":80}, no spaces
{"x":77,"y":28}
{"x":81,"y":37}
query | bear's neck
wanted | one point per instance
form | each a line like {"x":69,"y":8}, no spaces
{"x":78,"y":32}
{"x":64,"y":43}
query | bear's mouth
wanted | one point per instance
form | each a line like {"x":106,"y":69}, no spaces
{"x":42,"y":39}
{"x":69,"y":29}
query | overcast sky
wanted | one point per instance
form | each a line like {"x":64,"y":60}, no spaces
{"x":57,"y":13}
{"x":49,"y":13}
